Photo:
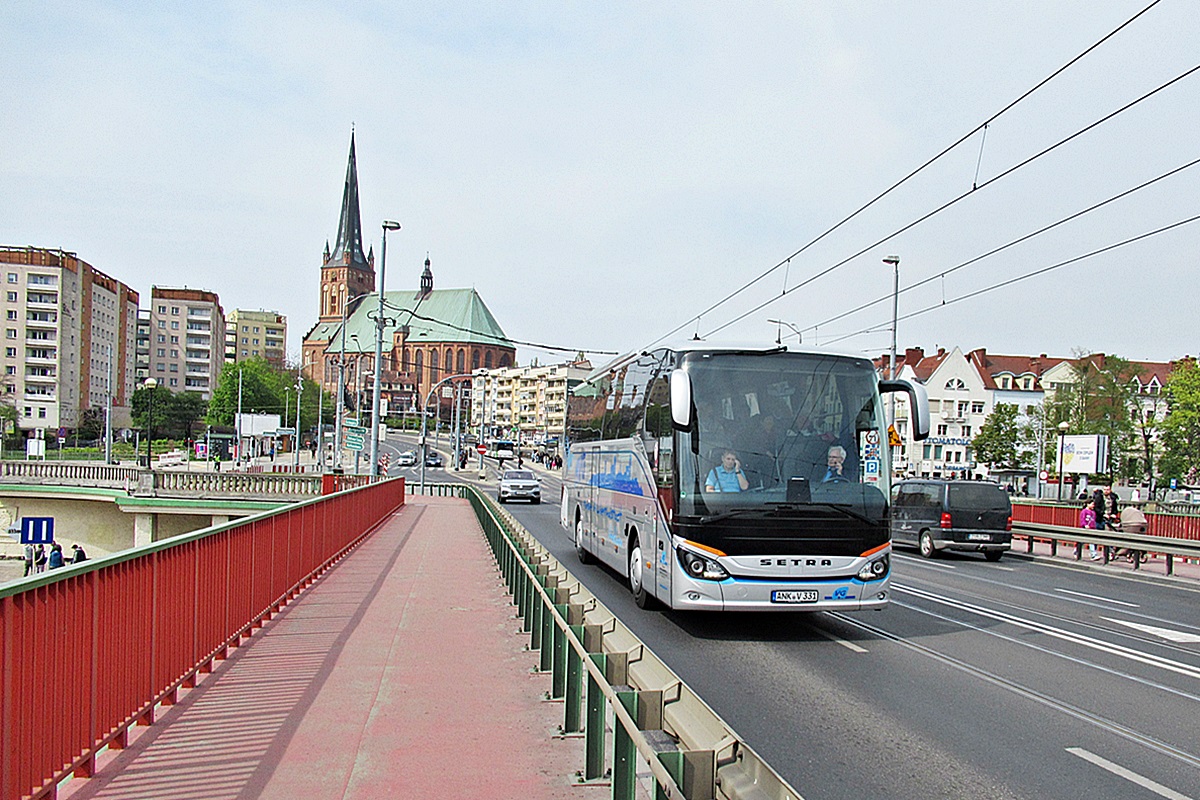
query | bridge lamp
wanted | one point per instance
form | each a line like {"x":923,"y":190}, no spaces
{"x":150,"y":384}
{"x":380,"y":322}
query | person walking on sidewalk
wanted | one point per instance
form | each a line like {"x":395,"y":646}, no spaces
{"x":28,"y":560}
{"x":1087,"y":520}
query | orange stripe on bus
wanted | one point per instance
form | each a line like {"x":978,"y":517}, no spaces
{"x":875,"y":550}
{"x":705,"y":548}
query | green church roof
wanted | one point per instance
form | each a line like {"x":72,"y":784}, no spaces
{"x":444,"y":315}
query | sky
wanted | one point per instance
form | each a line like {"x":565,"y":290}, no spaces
{"x":606,"y":174}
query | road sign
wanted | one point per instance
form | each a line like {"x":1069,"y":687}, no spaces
{"x":355,"y":441}
{"x":37,"y":530}
{"x":481,"y":448}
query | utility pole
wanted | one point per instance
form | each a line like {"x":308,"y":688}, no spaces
{"x":895,"y":262}
{"x":239,"y":418}
{"x":296,"y":436}
{"x":108,"y":411}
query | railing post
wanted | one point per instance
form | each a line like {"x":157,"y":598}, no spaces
{"x":593,"y":768}
{"x":558,"y":678}
{"x":624,"y":770}
{"x":572,"y":718}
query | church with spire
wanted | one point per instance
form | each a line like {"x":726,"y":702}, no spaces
{"x":429,"y":334}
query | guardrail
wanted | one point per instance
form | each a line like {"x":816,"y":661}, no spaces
{"x":1138,"y":545}
{"x":598,"y":666}
{"x":1173,"y":520}
{"x":89,"y":650}
{"x":106,"y":476}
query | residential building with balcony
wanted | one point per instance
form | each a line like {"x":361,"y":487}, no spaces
{"x":525,"y":403}
{"x":256,"y":334}
{"x":69,"y":339}
{"x":187,"y":339}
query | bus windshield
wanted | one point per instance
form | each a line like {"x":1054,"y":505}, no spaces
{"x":776,"y":431}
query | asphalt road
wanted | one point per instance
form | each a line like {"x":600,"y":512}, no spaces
{"x":1021,"y":679}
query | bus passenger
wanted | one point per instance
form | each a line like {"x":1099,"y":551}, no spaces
{"x":727,"y":476}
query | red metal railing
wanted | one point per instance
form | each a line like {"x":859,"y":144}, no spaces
{"x":1159,"y":523}
{"x":90,"y":650}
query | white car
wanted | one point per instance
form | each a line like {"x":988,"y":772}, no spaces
{"x":407,"y":459}
{"x":519,"y":484}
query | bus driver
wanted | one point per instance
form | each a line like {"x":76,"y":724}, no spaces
{"x":727,"y":476}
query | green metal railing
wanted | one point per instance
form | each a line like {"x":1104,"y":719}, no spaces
{"x":599,"y":668}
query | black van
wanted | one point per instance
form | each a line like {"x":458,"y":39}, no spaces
{"x":952,"y":515}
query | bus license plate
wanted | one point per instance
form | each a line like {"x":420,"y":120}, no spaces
{"x":795,"y":596}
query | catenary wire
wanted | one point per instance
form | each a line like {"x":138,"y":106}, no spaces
{"x":981,"y":126}
{"x":555,"y":348}
{"x":959,"y":198}
{"x":1005,"y":246}
{"x":1019,"y":278}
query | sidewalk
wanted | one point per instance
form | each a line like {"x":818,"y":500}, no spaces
{"x":1153,"y":569}
{"x":402,"y":673}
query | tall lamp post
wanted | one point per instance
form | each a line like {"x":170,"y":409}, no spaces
{"x":150,"y":384}
{"x":380,"y":322}
{"x":1062,"y":432}
{"x":895,"y":262}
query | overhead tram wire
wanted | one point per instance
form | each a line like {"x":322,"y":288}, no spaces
{"x":1005,"y":246}
{"x":555,"y":348}
{"x":981,"y":126}
{"x":1019,"y":278}
{"x":959,"y":198}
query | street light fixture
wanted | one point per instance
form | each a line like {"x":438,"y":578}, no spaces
{"x":1062,"y":432}
{"x":380,"y":322}
{"x":150,"y":384}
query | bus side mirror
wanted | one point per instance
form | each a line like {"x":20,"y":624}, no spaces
{"x":918,"y":401}
{"x":681,"y":399}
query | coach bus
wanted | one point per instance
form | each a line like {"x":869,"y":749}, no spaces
{"x":736,"y":477}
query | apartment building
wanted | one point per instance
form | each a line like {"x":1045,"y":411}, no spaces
{"x":255,"y":334}
{"x":187,"y":339}
{"x":69,"y":339}
{"x":528,"y":403}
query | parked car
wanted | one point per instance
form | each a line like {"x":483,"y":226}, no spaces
{"x":519,"y":484}
{"x":434,"y":459}
{"x":940,"y":515}
{"x":407,"y":459}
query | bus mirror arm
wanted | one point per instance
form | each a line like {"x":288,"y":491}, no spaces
{"x":681,"y":400}
{"x":918,"y":401}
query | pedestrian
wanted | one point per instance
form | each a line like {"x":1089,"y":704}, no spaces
{"x":1099,"y":502}
{"x":1087,"y":520}
{"x":56,"y":556}
{"x":1114,"y":507}
{"x":77,"y":554}
{"x":28,"y":560}
{"x":39,"y":559}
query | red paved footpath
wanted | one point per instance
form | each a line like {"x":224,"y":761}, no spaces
{"x":402,"y":673}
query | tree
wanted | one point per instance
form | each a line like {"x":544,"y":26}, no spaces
{"x":1099,"y":401}
{"x":998,"y":442}
{"x":1181,"y":427}
{"x":265,"y":390}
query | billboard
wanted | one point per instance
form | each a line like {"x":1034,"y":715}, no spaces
{"x":1084,"y":454}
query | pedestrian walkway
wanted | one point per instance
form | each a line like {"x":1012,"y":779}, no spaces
{"x":1154,"y":568}
{"x":401,"y":673}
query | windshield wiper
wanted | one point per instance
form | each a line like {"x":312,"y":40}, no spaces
{"x":733,"y":512}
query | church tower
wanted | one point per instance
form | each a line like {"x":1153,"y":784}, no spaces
{"x":345,"y":271}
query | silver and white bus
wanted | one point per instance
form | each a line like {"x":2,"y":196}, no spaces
{"x":734,"y":477}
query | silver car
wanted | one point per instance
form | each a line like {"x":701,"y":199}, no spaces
{"x":519,"y":484}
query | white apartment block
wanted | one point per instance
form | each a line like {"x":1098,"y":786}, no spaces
{"x":69,"y":339}
{"x":525,"y":403}
{"x":187,"y":339}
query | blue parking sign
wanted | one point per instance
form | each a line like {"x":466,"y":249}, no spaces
{"x":37,"y":530}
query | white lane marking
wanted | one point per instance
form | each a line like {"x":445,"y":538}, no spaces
{"x":1098,"y":597}
{"x":1162,"y":633}
{"x":848,"y":645}
{"x":925,"y":562}
{"x":1127,"y":774}
{"x":1058,"y":633}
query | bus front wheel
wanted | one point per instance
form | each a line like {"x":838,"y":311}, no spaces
{"x":637,"y":576}
{"x":584,"y":556}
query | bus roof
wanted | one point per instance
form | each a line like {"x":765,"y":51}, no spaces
{"x":712,"y":346}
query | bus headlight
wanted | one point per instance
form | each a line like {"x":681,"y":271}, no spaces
{"x":697,"y":566}
{"x":874,"y":570}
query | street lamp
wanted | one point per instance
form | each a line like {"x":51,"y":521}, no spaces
{"x":1062,"y":432}
{"x":895,"y":262}
{"x":150,"y":384}
{"x":380,"y":322}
